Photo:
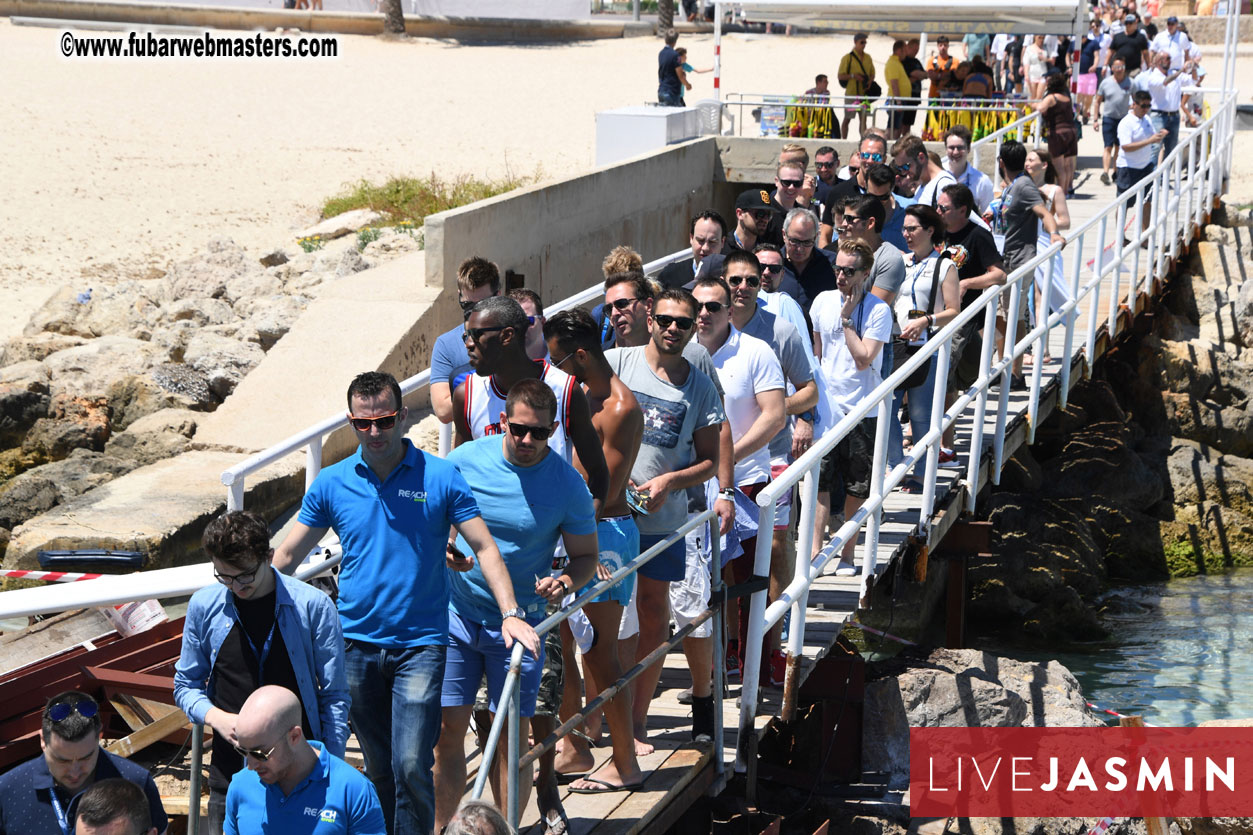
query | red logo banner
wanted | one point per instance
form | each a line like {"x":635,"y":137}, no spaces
{"x":1081,"y":772}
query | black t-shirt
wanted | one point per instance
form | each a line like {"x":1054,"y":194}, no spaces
{"x":841,"y":192}
{"x":1129,"y":48}
{"x":235,"y":676}
{"x":981,"y":254}
{"x":913,"y":65}
{"x":667,"y":63}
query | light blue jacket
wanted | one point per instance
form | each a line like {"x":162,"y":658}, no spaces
{"x":309,"y":624}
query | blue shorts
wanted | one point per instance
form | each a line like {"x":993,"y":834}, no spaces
{"x":1109,"y":131}
{"x":668,"y":566}
{"x":475,"y":650}
{"x":619,"y":542}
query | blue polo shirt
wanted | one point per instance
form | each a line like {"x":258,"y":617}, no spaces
{"x":26,"y":806}
{"x":526,"y":509}
{"x":334,"y":798}
{"x":449,"y":361}
{"x":393,"y":583}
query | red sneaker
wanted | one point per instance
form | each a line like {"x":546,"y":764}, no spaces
{"x":775,"y":670}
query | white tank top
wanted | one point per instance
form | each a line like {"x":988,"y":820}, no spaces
{"x":485,"y":402}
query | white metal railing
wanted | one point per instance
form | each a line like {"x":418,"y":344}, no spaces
{"x":1028,"y":127}
{"x":1178,"y":194}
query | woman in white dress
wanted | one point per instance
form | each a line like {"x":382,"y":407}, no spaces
{"x":1039,"y":167}
{"x":1035,"y":62}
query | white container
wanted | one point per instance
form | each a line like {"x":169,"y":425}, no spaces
{"x":630,"y":131}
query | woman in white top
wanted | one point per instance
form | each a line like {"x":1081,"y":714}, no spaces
{"x":1035,"y":62}
{"x":1039,"y":167}
{"x":928,"y":299}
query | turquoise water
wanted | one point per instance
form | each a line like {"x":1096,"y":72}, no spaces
{"x":1181,"y":652}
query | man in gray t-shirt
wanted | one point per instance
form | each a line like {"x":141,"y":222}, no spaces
{"x":1113,"y":100}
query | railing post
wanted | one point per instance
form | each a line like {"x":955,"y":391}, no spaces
{"x":313,"y":462}
{"x":193,"y":790}
{"x":515,"y":743}
{"x":720,"y":667}
{"x":808,"y":496}
{"x":1094,"y":305}
{"x":1176,"y":204}
{"x":1120,"y":247}
{"x":746,"y":743}
{"x":445,"y":439}
{"x":1002,"y":411}
{"x":235,"y":495}
{"x":942,"y":359}
{"x":1071,"y":317}
{"x":870,"y":550}
{"x":1156,"y":241}
{"x":1040,"y":347}
{"x":1188,"y":215}
{"x":1134,"y":288}
{"x":981,"y":402}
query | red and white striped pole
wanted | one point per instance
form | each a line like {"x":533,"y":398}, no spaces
{"x":1100,"y":828}
{"x":48,"y":576}
{"x":717,"y":52}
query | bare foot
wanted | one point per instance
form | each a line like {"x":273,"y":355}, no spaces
{"x":574,"y":759}
{"x":642,"y":746}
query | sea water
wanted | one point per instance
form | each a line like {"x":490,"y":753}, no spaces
{"x":1181,"y":652}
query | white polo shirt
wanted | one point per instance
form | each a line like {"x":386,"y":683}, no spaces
{"x":1134,"y":128}
{"x":1166,"y":94}
{"x":980,"y":184}
{"x":1177,"y":45}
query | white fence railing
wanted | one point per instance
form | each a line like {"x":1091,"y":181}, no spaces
{"x":1025,"y":129}
{"x":1177,"y":195}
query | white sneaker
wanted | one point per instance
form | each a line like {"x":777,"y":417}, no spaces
{"x":845,"y":569}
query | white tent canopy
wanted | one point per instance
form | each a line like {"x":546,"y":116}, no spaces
{"x":1018,"y":17}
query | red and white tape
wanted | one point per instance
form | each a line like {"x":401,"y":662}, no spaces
{"x":887,"y":635}
{"x":47,"y":576}
{"x":1101,"y":827}
{"x":1100,"y":709}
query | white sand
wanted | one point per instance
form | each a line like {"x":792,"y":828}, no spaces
{"x":114,"y":168}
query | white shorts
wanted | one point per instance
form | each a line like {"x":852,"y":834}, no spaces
{"x":689,"y":597}
{"x":630,"y":623}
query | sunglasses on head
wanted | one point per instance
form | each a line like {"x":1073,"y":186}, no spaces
{"x":623,"y":304}
{"x":61,"y":711}
{"x":751,"y":280}
{"x":712,"y":307}
{"x":791,"y":183}
{"x":256,"y":753}
{"x":683,"y":323}
{"x":521,"y":430}
{"x":363,"y":424}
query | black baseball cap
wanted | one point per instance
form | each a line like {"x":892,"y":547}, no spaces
{"x":755,"y":199}
{"x":1172,"y":19}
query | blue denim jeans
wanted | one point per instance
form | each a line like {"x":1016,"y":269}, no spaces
{"x":396,"y":716}
{"x":919,"y":420}
{"x":1169,"y":121}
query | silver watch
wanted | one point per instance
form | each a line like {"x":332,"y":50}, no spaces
{"x":515,"y":612}
{"x":846,"y":322}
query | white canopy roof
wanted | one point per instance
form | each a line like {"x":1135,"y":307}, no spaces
{"x":1016,"y":17}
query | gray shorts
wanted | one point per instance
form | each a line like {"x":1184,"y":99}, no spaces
{"x":1014,"y":260}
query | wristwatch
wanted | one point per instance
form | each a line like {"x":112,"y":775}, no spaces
{"x":515,"y":612}
{"x":727,"y":493}
{"x":846,"y":322}
{"x":808,"y":416}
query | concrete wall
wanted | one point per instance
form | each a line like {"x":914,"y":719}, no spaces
{"x":555,"y":235}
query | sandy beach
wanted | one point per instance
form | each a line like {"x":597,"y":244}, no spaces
{"x":116,"y":167}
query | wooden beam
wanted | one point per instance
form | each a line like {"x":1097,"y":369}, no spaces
{"x":142,"y":738}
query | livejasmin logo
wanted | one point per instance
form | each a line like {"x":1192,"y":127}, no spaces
{"x":1081,"y":772}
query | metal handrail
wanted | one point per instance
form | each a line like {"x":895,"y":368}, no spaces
{"x":1027,"y":125}
{"x":1178,"y":211}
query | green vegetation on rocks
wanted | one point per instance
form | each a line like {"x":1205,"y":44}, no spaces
{"x":411,"y":199}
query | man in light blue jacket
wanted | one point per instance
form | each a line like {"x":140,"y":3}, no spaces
{"x":259,"y":627}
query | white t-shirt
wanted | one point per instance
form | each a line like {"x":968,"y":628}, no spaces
{"x":915,"y":292}
{"x":980,"y":184}
{"x":1178,"y":45}
{"x":999,"y":43}
{"x":1134,"y":128}
{"x":746,"y":366}
{"x":929,"y":193}
{"x":1167,"y":95}
{"x":872,"y":319}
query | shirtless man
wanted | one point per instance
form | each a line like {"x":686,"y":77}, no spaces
{"x":574,"y":345}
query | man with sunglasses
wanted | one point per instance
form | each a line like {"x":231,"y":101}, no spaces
{"x":708,"y":235}
{"x":257,"y":626}
{"x":683,"y":419}
{"x":477,"y":279}
{"x":294,"y":785}
{"x":35,"y":796}
{"x":880,"y":179}
{"x":391,"y":506}
{"x":789,"y":183}
{"x":754,"y":210}
{"x":770,"y":297}
{"x":872,"y":148}
{"x":532,"y":498}
{"x":810,"y":271}
{"x":925,"y":178}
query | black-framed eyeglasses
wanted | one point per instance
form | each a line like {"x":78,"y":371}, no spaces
{"x":792,"y":183}
{"x":847,"y":272}
{"x":521,"y":430}
{"x":750,"y":280}
{"x":256,"y":753}
{"x":238,"y":579}
{"x":466,"y":306}
{"x":683,"y":323}
{"x":383,"y":422}
{"x":765,"y":268}
{"x":712,"y":307}
{"x":61,"y":711}
{"x":475,"y":334}
{"x":798,"y":243}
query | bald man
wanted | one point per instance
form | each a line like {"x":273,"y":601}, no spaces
{"x":291,"y":785}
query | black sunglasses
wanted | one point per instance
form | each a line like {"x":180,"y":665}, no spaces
{"x":767,"y":268}
{"x":475,"y":334}
{"x":824,"y":165}
{"x":751,"y":280}
{"x":623,"y":304}
{"x":61,"y":711}
{"x":712,"y":307}
{"x":256,"y":753}
{"x":847,"y":218}
{"x":521,"y":430}
{"x":383,"y":422}
{"x":684,"y":323}
{"x":847,"y":272}
{"x":792,"y":183}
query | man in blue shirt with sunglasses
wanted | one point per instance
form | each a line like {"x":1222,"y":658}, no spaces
{"x":36,"y":796}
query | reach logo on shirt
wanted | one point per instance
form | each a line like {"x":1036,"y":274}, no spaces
{"x":328,"y":816}
{"x":663,"y":419}
{"x":415,"y":495}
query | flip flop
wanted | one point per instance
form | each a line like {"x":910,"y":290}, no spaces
{"x":566,"y":777}
{"x":560,"y":826}
{"x":609,"y":788}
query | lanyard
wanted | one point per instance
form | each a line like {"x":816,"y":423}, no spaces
{"x":265,"y":647}
{"x":62,"y":821}
{"x":861,"y":315}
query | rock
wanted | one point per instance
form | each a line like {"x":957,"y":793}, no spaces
{"x":392,"y":244}
{"x":199,"y":312}
{"x":274,"y":258}
{"x":111,"y":309}
{"x":341,"y":264}
{"x":207,"y":274}
{"x":185,"y":383}
{"x":5,"y":536}
{"x":1244,"y":313}
{"x":248,"y":288}
{"x":1022,"y":473}
{"x":1215,"y":826}
{"x":30,"y":375}
{"x":960,"y":688}
{"x":222,"y":360}
{"x":1101,"y":454}
{"x":21,"y":405}
{"x":90,"y":369}
{"x":154,"y":437}
{"x":39,"y":490}
{"x":343,"y":224}
{"x":1199,"y":474}
{"x":37,"y":347}
{"x":1207,"y":537}
{"x":25,"y":497}
{"x":131,"y":398}
{"x":72,"y":423}
{"x":160,"y":510}
{"x":270,"y":319}
{"x":15,"y":461}
{"x":1207,"y":422}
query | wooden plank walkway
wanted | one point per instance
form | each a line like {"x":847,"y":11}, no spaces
{"x":677,"y":763}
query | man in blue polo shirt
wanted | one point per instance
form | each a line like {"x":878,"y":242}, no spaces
{"x":530,"y":498}
{"x":293,"y":786}
{"x":477,"y":279}
{"x":391,"y":506}
{"x":35,"y":796}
